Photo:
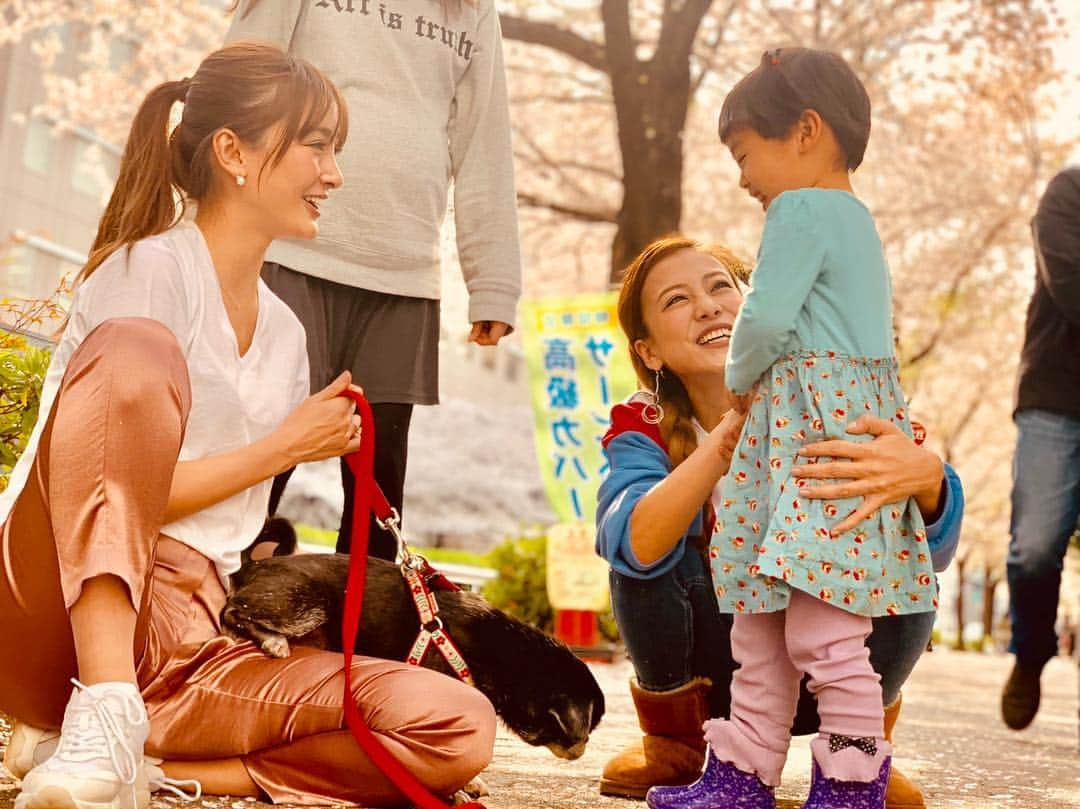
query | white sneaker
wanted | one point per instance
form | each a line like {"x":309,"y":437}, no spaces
{"x":98,"y":763}
{"x":29,"y":746}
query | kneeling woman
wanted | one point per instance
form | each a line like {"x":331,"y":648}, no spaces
{"x":178,"y":389}
{"x":654,"y":518}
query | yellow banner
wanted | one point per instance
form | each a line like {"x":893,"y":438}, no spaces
{"x":578,"y":368}
{"x":577,"y":579}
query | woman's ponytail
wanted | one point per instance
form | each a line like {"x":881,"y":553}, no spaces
{"x":145,"y":200}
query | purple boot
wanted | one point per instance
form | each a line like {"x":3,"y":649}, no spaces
{"x":721,"y":786}
{"x":827,"y":793}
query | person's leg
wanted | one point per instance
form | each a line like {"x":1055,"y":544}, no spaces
{"x":1045,"y":507}
{"x":81,"y":539}
{"x":829,"y":644}
{"x":89,"y":513}
{"x":391,"y":345}
{"x":764,"y":692}
{"x":391,"y":455}
{"x":223,"y":776}
{"x":658,"y":622}
{"x":710,"y":643}
{"x":896,"y":643}
{"x":665,"y":623}
{"x":295,"y":747}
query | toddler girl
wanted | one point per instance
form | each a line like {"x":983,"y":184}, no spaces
{"x":811,"y":350}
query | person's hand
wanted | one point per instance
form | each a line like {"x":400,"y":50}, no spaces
{"x":725,"y":436}
{"x":886,"y":470}
{"x":325,"y":425}
{"x":488,"y":332}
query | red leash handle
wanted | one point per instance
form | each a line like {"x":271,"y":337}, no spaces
{"x":369,"y":495}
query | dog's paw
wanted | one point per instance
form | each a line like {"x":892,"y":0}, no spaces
{"x":276,"y":646}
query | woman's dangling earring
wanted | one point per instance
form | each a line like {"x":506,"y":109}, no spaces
{"x":654,"y":411}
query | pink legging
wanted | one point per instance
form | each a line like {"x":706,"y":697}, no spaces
{"x":774,"y":650}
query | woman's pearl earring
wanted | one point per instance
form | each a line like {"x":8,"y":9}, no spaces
{"x":241,"y":180}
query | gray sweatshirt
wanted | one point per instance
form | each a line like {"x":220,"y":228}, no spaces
{"x":426,"y":91}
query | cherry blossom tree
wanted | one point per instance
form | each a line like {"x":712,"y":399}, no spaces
{"x":614,"y":105}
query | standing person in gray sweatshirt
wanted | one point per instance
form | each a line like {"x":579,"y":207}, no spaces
{"x":426,"y":83}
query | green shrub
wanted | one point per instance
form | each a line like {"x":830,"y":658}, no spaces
{"x":22,"y":372}
{"x":521,"y":588}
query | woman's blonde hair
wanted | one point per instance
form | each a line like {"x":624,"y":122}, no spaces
{"x":677,"y":428}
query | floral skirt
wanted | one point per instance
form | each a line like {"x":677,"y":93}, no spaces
{"x":768,"y":539}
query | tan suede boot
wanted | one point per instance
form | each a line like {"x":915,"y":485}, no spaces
{"x":901,"y":793}
{"x":672,"y":751}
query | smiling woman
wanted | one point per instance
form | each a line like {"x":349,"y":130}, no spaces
{"x":656,"y":510}
{"x":178,"y":389}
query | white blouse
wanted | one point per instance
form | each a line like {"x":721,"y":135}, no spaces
{"x":235,"y":400}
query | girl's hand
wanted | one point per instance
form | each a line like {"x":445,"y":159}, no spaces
{"x":325,"y":425}
{"x":886,"y":470}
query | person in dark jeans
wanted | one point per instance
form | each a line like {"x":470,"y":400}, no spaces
{"x":668,"y":456}
{"x":1046,"y":467}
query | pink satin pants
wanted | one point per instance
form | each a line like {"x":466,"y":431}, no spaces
{"x":94,"y":505}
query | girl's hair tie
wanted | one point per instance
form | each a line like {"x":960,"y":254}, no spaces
{"x":773,"y":56}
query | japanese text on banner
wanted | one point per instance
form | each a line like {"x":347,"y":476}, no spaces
{"x":578,"y":369}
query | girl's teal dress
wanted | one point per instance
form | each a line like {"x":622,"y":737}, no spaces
{"x":815,"y":332}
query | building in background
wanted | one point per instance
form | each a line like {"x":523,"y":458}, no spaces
{"x":52,"y":178}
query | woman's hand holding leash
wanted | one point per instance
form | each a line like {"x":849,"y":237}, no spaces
{"x":325,"y":425}
{"x":883,"y":471}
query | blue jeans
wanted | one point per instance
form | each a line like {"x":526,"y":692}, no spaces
{"x":1045,"y":508}
{"x":674,"y":632}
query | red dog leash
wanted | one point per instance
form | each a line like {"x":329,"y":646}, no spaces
{"x":369,"y":496}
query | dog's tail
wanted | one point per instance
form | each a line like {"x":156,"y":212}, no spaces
{"x":278,"y":533}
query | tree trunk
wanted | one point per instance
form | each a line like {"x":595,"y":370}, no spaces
{"x":651,"y":103}
{"x":990,"y":584}
{"x":960,"y":582}
{"x":651,"y":100}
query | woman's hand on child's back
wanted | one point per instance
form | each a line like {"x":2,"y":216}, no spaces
{"x":325,"y":425}
{"x":886,"y":470}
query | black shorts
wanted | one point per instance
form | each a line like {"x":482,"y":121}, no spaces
{"x":389,"y":342}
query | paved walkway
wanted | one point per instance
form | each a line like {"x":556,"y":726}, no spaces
{"x":950,"y":739}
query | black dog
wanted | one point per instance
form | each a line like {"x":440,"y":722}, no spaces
{"x":543,"y":693}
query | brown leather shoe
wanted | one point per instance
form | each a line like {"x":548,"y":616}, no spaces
{"x":1020,"y":697}
{"x":901,"y":792}
{"x":672,"y":751}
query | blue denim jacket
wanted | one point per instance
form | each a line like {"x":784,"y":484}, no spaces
{"x":637,"y":463}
